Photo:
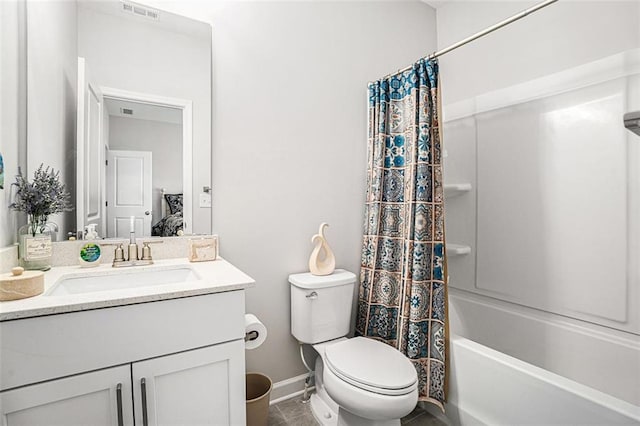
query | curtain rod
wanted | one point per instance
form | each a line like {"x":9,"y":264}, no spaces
{"x":481,"y":33}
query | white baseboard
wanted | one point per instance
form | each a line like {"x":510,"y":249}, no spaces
{"x":289,"y":388}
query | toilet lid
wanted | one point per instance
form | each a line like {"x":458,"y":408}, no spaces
{"x":371,"y":365}
{"x":309,"y":281}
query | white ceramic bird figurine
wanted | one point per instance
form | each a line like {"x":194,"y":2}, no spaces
{"x":322,"y":261}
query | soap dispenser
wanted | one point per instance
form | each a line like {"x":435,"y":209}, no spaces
{"x":90,"y":232}
{"x":90,"y":253}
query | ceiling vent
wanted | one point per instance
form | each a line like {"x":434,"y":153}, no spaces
{"x":632,"y":122}
{"x":127,"y":111}
{"x":136,"y":9}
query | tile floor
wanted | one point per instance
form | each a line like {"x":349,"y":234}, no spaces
{"x":292,"y":412}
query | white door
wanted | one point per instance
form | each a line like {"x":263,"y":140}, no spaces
{"x":99,"y":398}
{"x":89,"y":157}
{"x":199,"y":387}
{"x":129,"y":193}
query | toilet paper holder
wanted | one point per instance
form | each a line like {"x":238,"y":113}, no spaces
{"x":251,"y":335}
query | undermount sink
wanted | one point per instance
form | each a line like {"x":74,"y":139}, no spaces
{"x":119,"y":280}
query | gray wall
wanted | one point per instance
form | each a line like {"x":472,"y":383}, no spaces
{"x":12,"y":104}
{"x":135,"y":54}
{"x":52,"y":93}
{"x":289,"y":141}
{"x":163,"y":140}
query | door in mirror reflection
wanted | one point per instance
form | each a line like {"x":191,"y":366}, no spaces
{"x":90,"y":167}
{"x":129,"y":193}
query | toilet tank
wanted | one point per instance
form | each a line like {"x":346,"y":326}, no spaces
{"x":321,"y":305}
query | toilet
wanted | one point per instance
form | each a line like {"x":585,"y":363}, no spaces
{"x":359,"y":381}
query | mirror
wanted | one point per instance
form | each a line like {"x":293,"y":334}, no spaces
{"x":147,"y":150}
{"x":142,"y":116}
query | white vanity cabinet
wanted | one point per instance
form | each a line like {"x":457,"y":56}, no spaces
{"x":189,"y":388}
{"x":98,"y":398}
{"x":177,"y":361}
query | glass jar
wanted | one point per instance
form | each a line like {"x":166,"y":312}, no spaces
{"x":34,"y":245}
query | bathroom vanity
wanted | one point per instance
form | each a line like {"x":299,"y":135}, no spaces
{"x":170,"y":353}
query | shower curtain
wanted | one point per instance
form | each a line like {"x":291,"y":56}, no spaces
{"x":402,"y":294}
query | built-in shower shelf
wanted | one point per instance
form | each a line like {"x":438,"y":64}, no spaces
{"x":454,"y":189}
{"x":457,"y":249}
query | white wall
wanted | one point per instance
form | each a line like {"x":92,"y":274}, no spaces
{"x":163,"y":140}
{"x":289,"y":141}
{"x":12,"y":97}
{"x":51,"y":93}
{"x":139,"y":55}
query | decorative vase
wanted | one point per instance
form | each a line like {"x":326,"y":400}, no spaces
{"x":322,"y":261}
{"x":34,"y":244}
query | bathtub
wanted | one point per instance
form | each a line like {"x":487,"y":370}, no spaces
{"x":492,"y":387}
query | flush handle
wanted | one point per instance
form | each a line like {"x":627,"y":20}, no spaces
{"x":313,"y":295}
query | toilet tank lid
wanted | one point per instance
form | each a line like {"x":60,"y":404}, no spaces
{"x":308,"y":280}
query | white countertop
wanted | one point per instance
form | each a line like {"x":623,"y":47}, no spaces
{"x":215,"y":277}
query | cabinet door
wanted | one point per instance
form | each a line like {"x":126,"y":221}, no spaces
{"x":99,"y":398}
{"x":199,"y":387}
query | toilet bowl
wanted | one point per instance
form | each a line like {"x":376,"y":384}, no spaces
{"x":370,"y":382}
{"x":359,"y":381}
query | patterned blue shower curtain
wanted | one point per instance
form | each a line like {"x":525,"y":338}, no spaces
{"x":402,"y":295}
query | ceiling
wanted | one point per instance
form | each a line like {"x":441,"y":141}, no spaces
{"x":143,"y":111}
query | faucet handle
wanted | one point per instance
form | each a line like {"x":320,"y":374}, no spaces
{"x":146,"y":251}
{"x":118,"y":256}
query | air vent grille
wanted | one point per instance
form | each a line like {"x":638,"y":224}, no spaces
{"x":127,"y":111}
{"x":136,"y":9}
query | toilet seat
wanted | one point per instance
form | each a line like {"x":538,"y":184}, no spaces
{"x":372,"y":366}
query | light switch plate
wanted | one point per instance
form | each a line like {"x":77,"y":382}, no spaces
{"x":205,"y":200}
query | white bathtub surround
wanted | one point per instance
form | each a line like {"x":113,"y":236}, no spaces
{"x":530,"y":151}
{"x":601,"y":358}
{"x":536,"y":284}
{"x":211,"y":277}
{"x":522,"y":394}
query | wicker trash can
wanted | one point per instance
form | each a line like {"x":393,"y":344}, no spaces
{"x":258,"y":391}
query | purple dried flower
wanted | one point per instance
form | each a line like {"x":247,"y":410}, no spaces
{"x":41,"y":198}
